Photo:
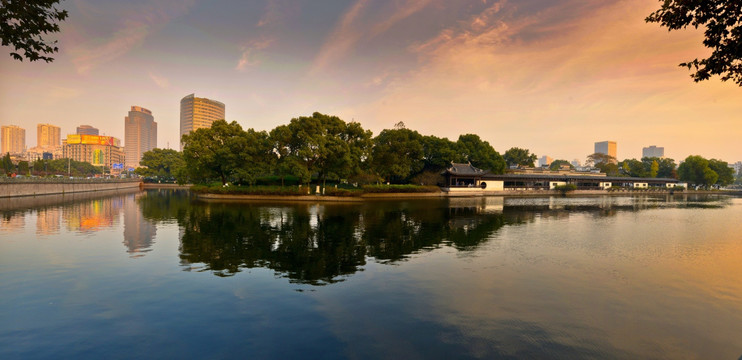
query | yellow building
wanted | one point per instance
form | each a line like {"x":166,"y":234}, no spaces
{"x":48,"y":136}
{"x":198,"y":113}
{"x":94,"y":149}
{"x":12,"y":140}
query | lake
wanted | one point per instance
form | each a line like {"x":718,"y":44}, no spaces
{"x":159,"y":274}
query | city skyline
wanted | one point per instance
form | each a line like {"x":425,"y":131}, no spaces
{"x":551,"y":77}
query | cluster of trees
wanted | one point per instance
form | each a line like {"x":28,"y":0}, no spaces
{"x":48,"y":167}
{"x":694,"y":170}
{"x":704,"y":172}
{"x":322,"y":147}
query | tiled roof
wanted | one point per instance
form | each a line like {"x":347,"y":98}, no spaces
{"x":465,"y":169}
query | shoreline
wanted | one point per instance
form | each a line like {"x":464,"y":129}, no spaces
{"x":442,"y":195}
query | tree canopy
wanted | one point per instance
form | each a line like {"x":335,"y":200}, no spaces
{"x":695,"y":170}
{"x":25,"y":24}
{"x":605,"y":163}
{"x":518,"y":156}
{"x":480,"y":154}
{"x":723,"y":22}
{"x":557,"y":164}
{"x":162,"y":163}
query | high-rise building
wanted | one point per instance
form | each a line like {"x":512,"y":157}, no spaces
{"x":87,"y":130}
{"x":198,"y":113}
{"x":97,"y":150}
{"x":606,"y":147}
{"x":140,"y":135}
{"x":653,"y":151}
{"x":12,"y":139}
{"x":544,"y":161}
{"x":48,"y":136}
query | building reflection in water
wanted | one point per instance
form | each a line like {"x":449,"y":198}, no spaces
{"x":93,"y":215}
{"x":11,"y":224}
{"x":139,"y":233}
{"x":48,"y":221}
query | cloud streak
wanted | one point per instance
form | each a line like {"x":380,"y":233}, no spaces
{"x":135,"y":29}
{"x":250,"y":53}
{"x":351,"y":29}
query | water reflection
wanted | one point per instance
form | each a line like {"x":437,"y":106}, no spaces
{"x":139,"y":232}
{"x":324,"y":243}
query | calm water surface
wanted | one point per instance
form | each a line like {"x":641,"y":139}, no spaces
{"x":158,"y":274}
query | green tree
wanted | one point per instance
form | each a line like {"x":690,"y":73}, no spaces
{"x":255,"y":157}
{"x":320,"y":144}
{"x":635,"y":168}
{"x":24,"y":22}
{"x":23,"y":168}
{"x":722,"y":169}
{"x":723,"y":34}
{"x":480,"y":153}
{"x":557,"y":164}
{"x":7,"y":164}
{"x":162,"y":163}
{"x":695,"y":170}
{"x":518,"y":156}
{"x":438,"y":153}
{"x":654,"y":169}
{"x":605,"y":163}
{"x":214,"y":152}
{"x":666,"y":167}
{"x":397,"y":154}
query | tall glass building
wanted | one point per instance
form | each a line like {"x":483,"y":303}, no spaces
{"x":140,"y":135}
{"x":198,"y":113}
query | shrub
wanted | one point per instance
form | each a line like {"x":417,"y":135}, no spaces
{"x":564,"y":189}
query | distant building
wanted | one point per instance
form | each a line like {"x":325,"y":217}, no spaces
{"x":607,"y":147}
{"x":653,"y":151}
{"x":12,"y":139}
{"x":101,"y":151}
{"x":140,"y":135}
{"x":199,"y":113}
{"x":575,"y":163}
{"x":737,"y":167}
{"x":87,"y":130}
{"x":545,"y":161}
{"x":48,"y":136}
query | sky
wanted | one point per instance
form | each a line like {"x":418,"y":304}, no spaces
{"x":552,"y":76}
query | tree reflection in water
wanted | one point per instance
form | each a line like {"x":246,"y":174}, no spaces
{"x":321,"y":244}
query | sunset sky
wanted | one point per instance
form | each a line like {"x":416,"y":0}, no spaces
{"x":550,"y":76}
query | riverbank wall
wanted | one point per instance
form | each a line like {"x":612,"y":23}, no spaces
{"x":35,"y":188}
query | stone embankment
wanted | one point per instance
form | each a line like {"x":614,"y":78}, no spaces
{"x":32,"y":187}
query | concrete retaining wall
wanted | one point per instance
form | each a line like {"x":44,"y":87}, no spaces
{"x":12,"y":189}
